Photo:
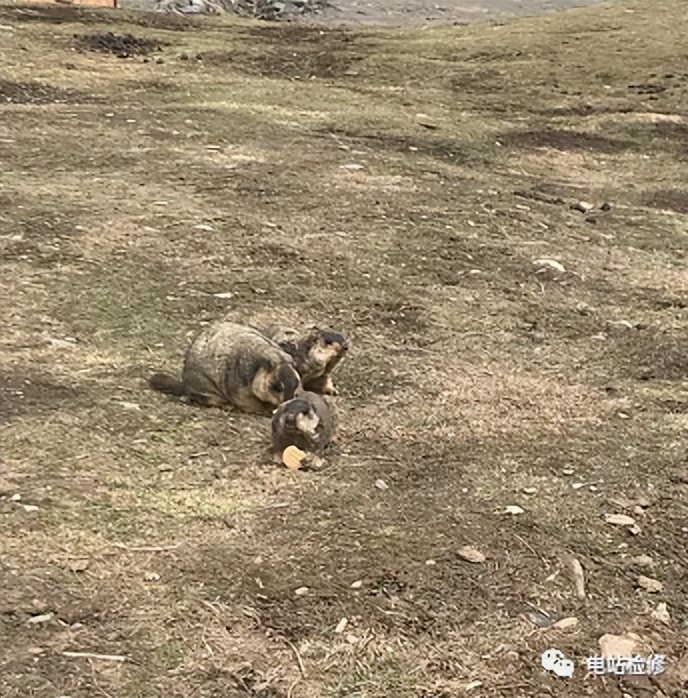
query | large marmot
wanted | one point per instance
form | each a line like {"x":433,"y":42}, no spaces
{"x":231,"y":364}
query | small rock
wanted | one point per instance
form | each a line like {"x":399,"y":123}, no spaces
{"x":301,"y":591}
{"x":357,"y":584}
{"x":567,"y":471}
{"x":352,"y":166}
{"x":620,"y":325}
{"x":582,"y":207}
{"x":43,"y":618}
{"x":381,"y":485}
{"x":661,"y":613}
{"x":430,"y":563}
{"x":619,"y":520}
{"x":530,"y":490}
{"x":223,"y":294}
{"x":151,"y":577}
{"x":514,"y":510}
{"x":15,"y":498}
{"x":643,"y":502}
{"x":635,"y":530}
{"x":549,"y":266}
{"x":606,"y":206}
{"x":578,"y":485}
{"x":341,"y":626}
{"x":578,"y":578}
{"x":471,"y":554}
{"x":30,"y":508}
{"x":565,"y":623}
{"x":652,"y":586}
{"x":425,"y":121}
{"x":642,"y":561}
{"x":466,"y":688}
{"x":352,"y":639}
{"x":540,"y":619}
{"x":619,"y":645}
{"x":204,"y":226}
{"x":79,"y":565}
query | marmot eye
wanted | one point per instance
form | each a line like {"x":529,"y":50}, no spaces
{"x":277,"y":387}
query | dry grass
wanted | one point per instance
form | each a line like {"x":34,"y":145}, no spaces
{"x":136,"y":189}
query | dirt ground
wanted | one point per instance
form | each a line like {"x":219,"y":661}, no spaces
{"x":400,"y":185}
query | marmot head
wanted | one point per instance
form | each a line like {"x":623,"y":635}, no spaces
{"x":299,"y":415}
{"x":277,"y":384}
{"x":326,"y":348}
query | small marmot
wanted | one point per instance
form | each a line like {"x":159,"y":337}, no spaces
{"x":316,"y":354}
{"x":231,"y":364}
{"x":308,"y":422}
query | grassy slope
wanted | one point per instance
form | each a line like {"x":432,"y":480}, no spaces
{"x":472,"y":378}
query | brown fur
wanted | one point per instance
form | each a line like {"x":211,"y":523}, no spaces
{"x":231,"y":364}
{"x":316,"y":354}
{"x":308,"y":421}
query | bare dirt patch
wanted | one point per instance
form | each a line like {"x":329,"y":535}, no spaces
{"x":22,"y":394}
{"x":563,"y":140}
{"x":120,"y":45}
{"x":296,"y":52}
{"x":669,"y":200}
{"x":38,"y":93}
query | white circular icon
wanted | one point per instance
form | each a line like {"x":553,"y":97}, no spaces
{"x":554,"y":660}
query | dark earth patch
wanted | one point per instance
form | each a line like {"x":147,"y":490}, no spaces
{"x":672,"y":131}
{"x":440,"y":148}
{"x":588,"y":110}
{"x":668,"y":200}
{"x":651,"y":355}
{"x":52,"y":14}
{"x":559,"y":139}
{"x":38,"y":93}
{"x":21,"y":394}
{"x":481,"y":81}
{"x":120,"y":45}
{"x":298,"y":33}
{"x":300,"y":52}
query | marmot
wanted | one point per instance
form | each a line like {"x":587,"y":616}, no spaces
{"x":231,"y":364}
{"x":308,"y":422}
{"x":316,"y":354}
